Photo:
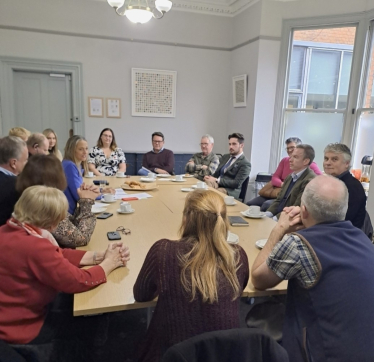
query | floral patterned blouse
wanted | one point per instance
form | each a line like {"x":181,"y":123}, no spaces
{"x":107,"y":166}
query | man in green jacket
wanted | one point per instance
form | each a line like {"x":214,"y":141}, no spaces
{"x":294,"y":184}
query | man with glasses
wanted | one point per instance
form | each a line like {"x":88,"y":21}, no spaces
{"x":13,"y":158}
{"x":233,"y":169}
{"x":204,"y":163}
{"x":159,"y":160}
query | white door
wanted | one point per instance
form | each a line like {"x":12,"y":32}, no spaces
{"x":43,"y":101}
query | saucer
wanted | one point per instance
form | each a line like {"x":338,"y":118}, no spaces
{"x":234,"y":203}
{"x":90,"y":176}
{"x":121,"y":176}
{"x":258,"y":216}
{"x":261,"y":243}
{"x":195,"y":187}
{"x":98,"y":210}
{"x":125,"y":212}
{"x":186,"y":189}
{"x":147,"y":179}
{"x":108,"y":202}
{"x":175,"y":180}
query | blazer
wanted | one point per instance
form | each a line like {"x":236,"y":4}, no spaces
{"x":294,"y":197}
{"x":234,"y":176}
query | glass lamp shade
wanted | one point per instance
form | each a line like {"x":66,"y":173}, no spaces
{"x":116,"y":3}
{"x":138,"y":15}
{"x":163,"y":5}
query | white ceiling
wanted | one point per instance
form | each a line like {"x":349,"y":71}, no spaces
{"x":216,"y":7}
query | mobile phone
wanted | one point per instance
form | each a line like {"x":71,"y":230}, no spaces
{"x":97,"y":182}
{"x":114,"y":235}
{"x":104,"y":215}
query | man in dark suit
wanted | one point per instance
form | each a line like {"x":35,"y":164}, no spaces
{"x":13,"y":158}
{"x":233,"y":169}
{"x":294,"y":184}
{"x":336,"y":163}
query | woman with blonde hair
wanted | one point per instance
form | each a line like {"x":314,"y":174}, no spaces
{"x":198,"y":280}
{"x":20,"y":132}
{"x":34,"y":269}
{"x":75,"y":166}
{"x":53,"y":143}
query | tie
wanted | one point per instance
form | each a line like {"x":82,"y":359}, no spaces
{"x":223,"y":169}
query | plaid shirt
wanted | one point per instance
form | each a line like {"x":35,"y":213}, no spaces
{"x":212,"y":161}
{"x":291,"y":258}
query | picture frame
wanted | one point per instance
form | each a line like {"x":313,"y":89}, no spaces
{"x":96,"y":107}
{"x":239,"y":85}
{"x":113,"y":108}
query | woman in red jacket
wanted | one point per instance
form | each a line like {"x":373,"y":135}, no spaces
{"x":33,"y":269}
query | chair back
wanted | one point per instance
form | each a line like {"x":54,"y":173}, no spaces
{"x":242,"y":344}
{"x":243,"y":191}
{"x":367,"y":227}
{"x":8,"y":354}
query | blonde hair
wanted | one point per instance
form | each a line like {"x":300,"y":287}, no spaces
{"x":205,"y":225}
{"x":41,"y":206}
{"x":69,"y":154}
{"x":54,"y":149}
{"x":20,"y":132}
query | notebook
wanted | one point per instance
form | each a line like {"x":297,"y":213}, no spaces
{"x":237,"y":221}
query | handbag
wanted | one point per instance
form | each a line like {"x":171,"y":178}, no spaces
{"x":269,"y":191}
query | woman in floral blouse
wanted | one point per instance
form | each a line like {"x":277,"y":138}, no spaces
{"x":106,"y":158}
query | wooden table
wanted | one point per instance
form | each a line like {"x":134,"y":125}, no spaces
{"x":155,"y":218}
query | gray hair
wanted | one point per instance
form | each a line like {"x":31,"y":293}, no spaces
{"x":308,"y":152}
{"x":10,"y":147}
{"x":209,"y":137}
{"x":296,"y":140}
{"x":339,"y":148}
{"x":323,"y":208}
{"x":35,"y":139}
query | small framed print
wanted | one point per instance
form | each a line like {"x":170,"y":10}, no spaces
{"x":95,"y":107}
{"x":239,"y":85}
{"x":113,"y":107}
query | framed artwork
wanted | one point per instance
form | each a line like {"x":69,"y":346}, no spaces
{"x":153,"y":92}
{"x":113,"y":107}
{"x":239,"y":84}
{"x":95,"y":107}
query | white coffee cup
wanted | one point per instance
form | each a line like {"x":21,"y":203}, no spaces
{"x":109,"y":197}
{"x":120,"y":174}
{"x":125,"y":207}
{"x":179,"y":177}
{"x":201,"y":185}
{"x":254,"y":210}
{"x":151,"y":175}
{"x":90,"y":174}
{"x":229,"y":200}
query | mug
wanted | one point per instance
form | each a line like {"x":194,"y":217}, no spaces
{"x":178,"y":177}
{"x":125,"y":207}
{"x":109,"y":197}
{"x":254,"y":210}
{"x":201,"y":185}
{"x":120,"y":174}
{"x":151,"y":175}
{"x":229,"y":200}
{"x":90,"y":174}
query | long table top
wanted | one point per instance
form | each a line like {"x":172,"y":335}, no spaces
{"x":155,"y":218}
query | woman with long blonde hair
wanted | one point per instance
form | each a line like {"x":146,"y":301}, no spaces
{"x":53,"y":143}
{"x":198,"y":280}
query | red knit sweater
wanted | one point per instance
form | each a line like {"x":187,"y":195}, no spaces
{"x":163,"y":160}
{"x":32,"y":272}
{"x":176,"y":318}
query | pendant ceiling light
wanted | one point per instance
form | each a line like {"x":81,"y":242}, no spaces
{"x":141,"y":11}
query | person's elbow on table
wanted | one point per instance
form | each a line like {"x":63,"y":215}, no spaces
{"x":264,"y":278}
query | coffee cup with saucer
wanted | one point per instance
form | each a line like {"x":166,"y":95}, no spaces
{"x":125,"y":208}
{"x":229,"y":200}
{"x":109,"y":198}
{"x":120,"y":174}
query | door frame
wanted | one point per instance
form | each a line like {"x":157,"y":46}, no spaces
{"x":7,"y":104}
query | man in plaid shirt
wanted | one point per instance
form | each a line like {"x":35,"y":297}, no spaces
{"x":330,"y":271}
{"x":205,"y":162}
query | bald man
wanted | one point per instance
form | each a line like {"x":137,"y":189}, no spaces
{"x":37,"y":143}
{"x":329,"y":265}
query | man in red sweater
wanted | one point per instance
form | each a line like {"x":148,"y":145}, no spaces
{"x":159,"y":160}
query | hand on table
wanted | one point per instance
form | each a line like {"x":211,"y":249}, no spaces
{"x":210,"y":178}
{"x":92,"y":187}
{"x":108,"y":190}
{"x":160,"y":170}
{"x":87,"y":194}
{"x":116,"y":255}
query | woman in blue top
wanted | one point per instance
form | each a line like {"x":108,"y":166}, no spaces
{"x":75,"y":166}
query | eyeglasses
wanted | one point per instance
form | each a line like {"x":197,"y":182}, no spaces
{"x":157,"y":141}
{"x":124,"y":230}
